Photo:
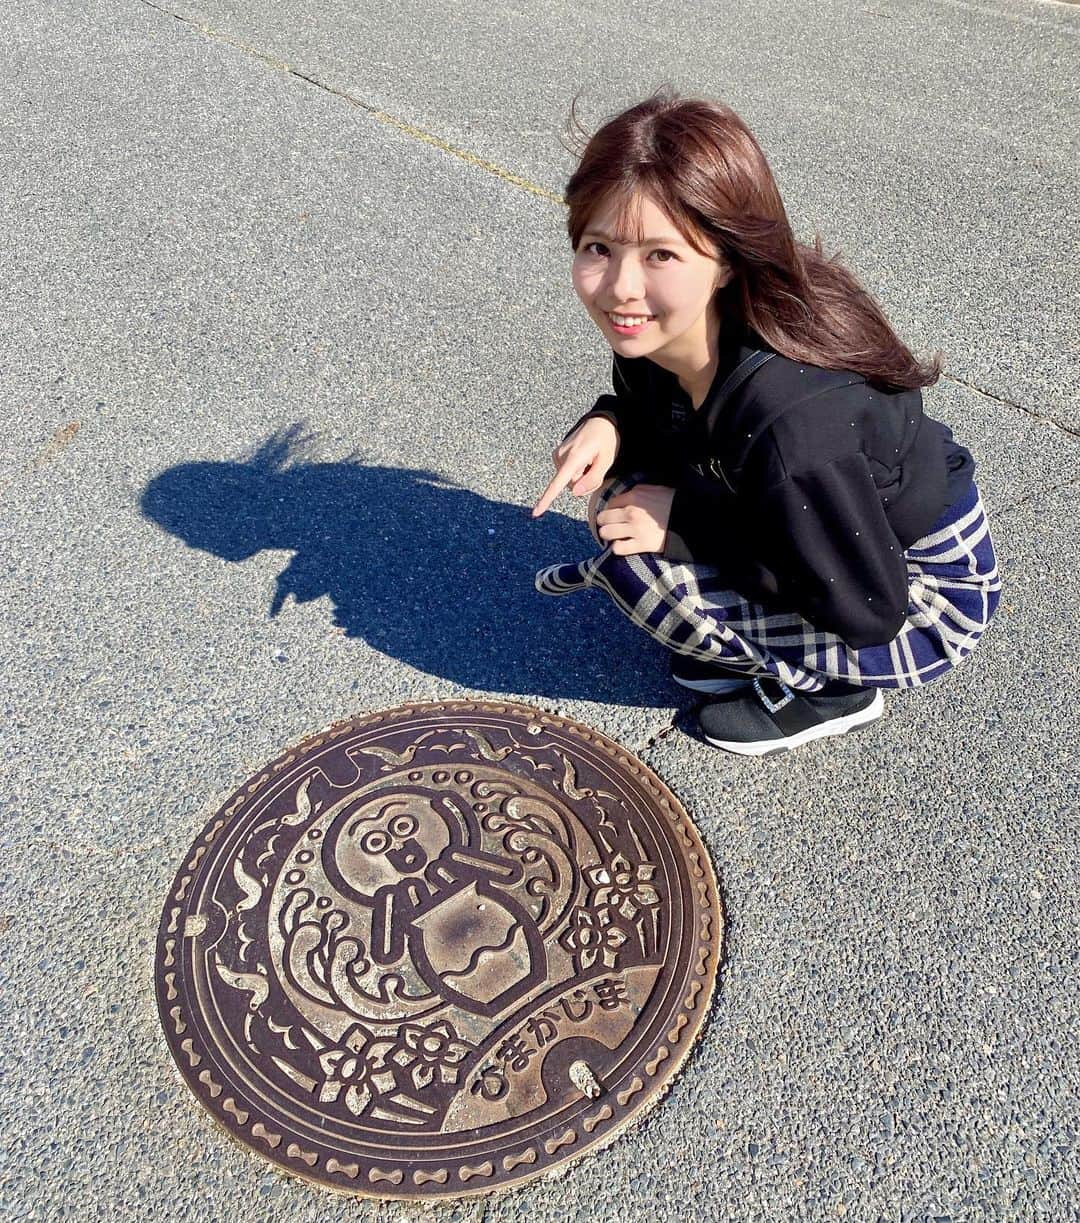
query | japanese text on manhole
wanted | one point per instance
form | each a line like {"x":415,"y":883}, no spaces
{"x":439,"y":950}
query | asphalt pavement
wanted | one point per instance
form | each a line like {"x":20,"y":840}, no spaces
{"x":288,"y":335}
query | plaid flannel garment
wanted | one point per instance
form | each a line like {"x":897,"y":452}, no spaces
{"x":953,"y":589}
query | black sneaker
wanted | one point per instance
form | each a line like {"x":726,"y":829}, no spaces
{"x":706,"y":676}
{"x":770,"y":717}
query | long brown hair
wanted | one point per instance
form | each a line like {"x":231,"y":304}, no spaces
{"x":699,"y":161}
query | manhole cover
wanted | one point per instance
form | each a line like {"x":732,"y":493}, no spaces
{"x":439,"y":950}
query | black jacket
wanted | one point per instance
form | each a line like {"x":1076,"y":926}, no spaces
{"x":804,"y":487}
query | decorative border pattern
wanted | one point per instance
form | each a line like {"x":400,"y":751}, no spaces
{"x":618,"y":1110}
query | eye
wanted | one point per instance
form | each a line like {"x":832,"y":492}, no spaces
{"x":600,"y":250}
{"x":667,"y":256}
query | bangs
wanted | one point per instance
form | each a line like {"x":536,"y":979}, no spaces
{"x":626,"y":198}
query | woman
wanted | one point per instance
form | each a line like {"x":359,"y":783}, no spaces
{"x":776,"y":507}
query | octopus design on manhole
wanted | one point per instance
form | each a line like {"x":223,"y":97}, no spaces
{"x":439,"y":950}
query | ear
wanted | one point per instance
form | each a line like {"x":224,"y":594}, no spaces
{"x":724,"y":273}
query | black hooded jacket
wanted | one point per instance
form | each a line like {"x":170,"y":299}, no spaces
{"x":804,"y":486}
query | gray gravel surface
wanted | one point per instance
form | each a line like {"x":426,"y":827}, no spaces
{"x":280,"y":378}
{"x":931,"y":142}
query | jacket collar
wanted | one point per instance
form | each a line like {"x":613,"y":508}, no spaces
{"x":657,"y":384}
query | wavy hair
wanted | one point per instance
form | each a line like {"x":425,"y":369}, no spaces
{"x":699,"y":162}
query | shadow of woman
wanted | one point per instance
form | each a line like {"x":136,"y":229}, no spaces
{"x":422,"y":569}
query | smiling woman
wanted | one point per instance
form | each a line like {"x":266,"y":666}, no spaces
{"x":788,"y":521}
{"x":693,"y":170}
{"x":659,"y":291}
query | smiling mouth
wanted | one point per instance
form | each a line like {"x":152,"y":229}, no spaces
{"x":630,"y":320}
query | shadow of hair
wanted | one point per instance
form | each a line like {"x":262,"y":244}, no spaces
{"x":422,"y":569}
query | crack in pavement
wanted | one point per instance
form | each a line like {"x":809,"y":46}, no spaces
{"x":498,"y":171}
{"x":375,"y":112}
{"x":1071,"y":430}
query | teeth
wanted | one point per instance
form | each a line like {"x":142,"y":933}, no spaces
{"x":629,"y":321}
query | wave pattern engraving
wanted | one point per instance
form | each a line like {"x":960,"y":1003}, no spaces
{"x":480,"y":954}
{"x":430,"y":951}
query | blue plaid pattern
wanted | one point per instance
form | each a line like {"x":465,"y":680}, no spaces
{"x":953,"y":589}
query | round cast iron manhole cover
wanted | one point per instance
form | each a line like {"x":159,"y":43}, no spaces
{"x":439,"y":950}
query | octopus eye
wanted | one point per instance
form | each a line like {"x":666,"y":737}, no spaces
{"x":402,"y":826}
{"x":375,"y":842}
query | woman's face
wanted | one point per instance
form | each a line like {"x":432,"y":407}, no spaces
{"x":649,"y":299}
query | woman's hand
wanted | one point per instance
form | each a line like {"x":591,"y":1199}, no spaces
{"x":582,"y":461}
{"x":637,"y":520}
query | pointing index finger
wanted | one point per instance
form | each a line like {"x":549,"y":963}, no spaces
{"x":562,"y":478}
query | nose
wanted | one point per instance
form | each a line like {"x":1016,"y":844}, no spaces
{"x":626,"y":281}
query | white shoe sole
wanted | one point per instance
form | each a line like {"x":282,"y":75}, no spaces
{"x":835,"y":726}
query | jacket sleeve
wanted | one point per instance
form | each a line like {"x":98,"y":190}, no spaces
{"x":825,"y":534}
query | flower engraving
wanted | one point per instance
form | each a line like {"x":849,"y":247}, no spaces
{"x":357,"y":1067}
{"x":429,"y":1054}
{"x":624,"y":885}
{"x":592,"y":936}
